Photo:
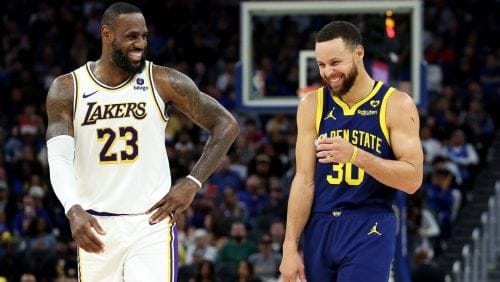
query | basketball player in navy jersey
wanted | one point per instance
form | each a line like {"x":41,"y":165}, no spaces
{"x":107,"y":156}
{"x":357,"y":144}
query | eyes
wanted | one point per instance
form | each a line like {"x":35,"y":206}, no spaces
{"x":322,"y":65}
{"x":137,"y":36}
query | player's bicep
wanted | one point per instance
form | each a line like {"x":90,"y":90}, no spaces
{"x":179,"y":90}
{"x":59,"y":106}
{"x":305,"y":150}
{"x":404,"y":124}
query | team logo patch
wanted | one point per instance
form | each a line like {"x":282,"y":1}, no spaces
{"x":374,"y":103}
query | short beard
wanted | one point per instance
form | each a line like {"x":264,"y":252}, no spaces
{"x":122,"y":62}
{"x":348,"y":83}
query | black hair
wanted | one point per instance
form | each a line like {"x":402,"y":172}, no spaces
{"x":340,"y":29}
{"x":117,"y":9}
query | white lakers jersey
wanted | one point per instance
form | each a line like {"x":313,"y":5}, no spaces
{"x":120,"y":156}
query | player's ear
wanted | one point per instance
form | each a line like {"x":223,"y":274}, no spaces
{"x":106,"y":33}
{"x":359,"y":52}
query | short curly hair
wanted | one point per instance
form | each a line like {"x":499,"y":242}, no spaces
{"x":340,"y":29}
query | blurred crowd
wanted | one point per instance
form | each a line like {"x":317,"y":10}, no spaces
{"x":235,"y":227}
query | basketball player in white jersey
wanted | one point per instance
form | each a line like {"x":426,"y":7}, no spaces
{"x":107,"y":156}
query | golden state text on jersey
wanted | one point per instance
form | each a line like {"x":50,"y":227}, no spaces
{"x":344,"y":185}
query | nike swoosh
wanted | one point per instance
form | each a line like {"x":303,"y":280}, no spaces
{"x":90,"y":94}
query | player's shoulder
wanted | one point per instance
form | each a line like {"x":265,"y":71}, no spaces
{"x":400,"y":104}
{"x":61,"y":83}
{"x":170,"y":80}
{"x":306,"y":110}
{"x":159,"y":70}
{"x":64,"y":78}
{"x":67,"y":79}
{"x":400,"y":99}
{"x":310,"y":98}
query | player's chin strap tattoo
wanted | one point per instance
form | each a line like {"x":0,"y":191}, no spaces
{"x":61,"y":152}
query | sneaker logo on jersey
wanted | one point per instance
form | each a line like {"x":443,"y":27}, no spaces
{"x":374,"y":230}
{"x":330,"y":115}
{"x":85,"y":95}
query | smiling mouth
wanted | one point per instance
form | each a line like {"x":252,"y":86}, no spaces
{"x":335,"y":80}
{"x":135,"y":55}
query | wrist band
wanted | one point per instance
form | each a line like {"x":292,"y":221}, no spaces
{"x":192,"y":178}
{"x":354,"y":154}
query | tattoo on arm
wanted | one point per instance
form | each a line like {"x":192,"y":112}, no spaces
{"x":206,"y":112}
{"x":201,"y":108}
{"x":59,"y":107}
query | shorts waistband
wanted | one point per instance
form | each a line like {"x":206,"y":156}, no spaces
{"x":355,"y":211}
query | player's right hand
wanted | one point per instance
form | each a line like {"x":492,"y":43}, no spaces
{"x":83,"y":229}
{"x":291,"y":266}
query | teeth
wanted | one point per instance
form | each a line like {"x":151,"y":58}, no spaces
{"x":335,"y":79}
{"x":135,"y":55}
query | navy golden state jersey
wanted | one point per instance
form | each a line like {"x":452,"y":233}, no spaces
{"x":344,"y":185}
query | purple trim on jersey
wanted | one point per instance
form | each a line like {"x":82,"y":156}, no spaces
{"x":93,"y":212}
{"x":175,"y":255}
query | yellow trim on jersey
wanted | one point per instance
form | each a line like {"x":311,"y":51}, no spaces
{"x":319,"y":108}
{"x":383,"y":113}
{"x":351,"y":111}
{"x":149,"y":74}
{"x":79,"y":264}
{"x":170,"y":248}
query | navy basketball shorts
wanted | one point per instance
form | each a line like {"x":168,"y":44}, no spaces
{"x":350,"y":245}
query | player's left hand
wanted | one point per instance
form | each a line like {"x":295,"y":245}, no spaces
{"x":333,"y":150}
{"x":174,"y":203}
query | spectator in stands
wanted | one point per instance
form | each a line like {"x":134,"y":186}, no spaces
{"x":463,"y":154}
{"x":232,"y":208}
{"x":274,"y":208}
{"x":206,"y":272}
{"x":444,"y":162}
{"x":482,"y":127}
{"x":224,"y":177}
{"x":254,"y":196}
{"x":213,"y":223}
{"x":265,"y":263}
{"x":201,"y":250}
{"x":238,"y":248}
{"x":12,"y":263}
{"x":277,"y":232}
{"x":431,"y":146}
{"x":246,"y":273}
{"x":439,"y":199}
{"x":40,"y":248}
{"x":7,"y":206}
{"x":28,"y":277}
{"x":28,"y":214}
{"x":424,"y":269}
{"x":252,"y":136}
{"x":489,"y":75}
